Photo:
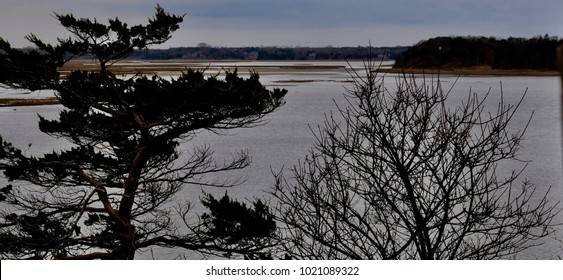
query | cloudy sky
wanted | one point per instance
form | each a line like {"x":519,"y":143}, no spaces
{"x":298,"y":22}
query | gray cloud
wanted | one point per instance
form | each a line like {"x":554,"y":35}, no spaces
{"x":304,"y":22}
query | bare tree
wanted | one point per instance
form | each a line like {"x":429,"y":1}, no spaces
{"x":402,"y":175}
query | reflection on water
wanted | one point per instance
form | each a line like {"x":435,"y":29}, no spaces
{"x":286,"y":136}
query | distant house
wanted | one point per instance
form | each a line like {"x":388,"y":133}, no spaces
{"x":253,"y":55}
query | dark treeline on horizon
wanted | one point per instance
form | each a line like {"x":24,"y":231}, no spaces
{"x":204,"y":51}
{"x":463,"y":52}
{"x":446,"y":52}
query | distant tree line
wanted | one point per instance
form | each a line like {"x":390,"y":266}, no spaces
{"x":455,"y":52}
{"x":205,"y":51}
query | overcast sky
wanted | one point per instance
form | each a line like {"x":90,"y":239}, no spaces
{"x":298,"y":22}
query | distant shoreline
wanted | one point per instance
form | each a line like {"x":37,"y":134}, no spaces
{"x":475,"y":72}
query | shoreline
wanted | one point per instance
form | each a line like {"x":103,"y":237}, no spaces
{"x":474,"y":72}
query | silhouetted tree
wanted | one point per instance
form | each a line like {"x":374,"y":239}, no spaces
{"x":399,"y":174}
{"x":114,"y":190}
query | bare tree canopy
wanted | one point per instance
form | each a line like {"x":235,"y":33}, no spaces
{"x":114,"y":191}
{"x":399,"y":174}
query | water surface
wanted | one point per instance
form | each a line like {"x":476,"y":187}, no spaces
{"x":286,"y":135}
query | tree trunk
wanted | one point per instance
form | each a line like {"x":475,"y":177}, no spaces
{"x":127,"y":247}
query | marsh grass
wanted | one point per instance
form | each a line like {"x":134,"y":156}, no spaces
{"x":12,"y":102}
{"x":126,"y":67}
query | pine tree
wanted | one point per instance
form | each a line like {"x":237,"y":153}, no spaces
{"x":109,"y":194}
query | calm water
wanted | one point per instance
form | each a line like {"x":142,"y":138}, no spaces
{"x":286,"y":136}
